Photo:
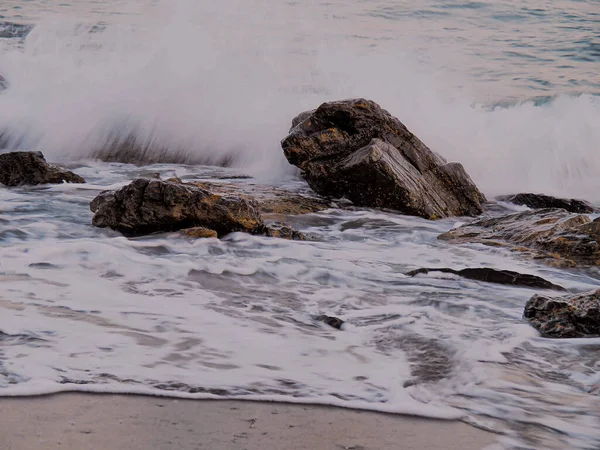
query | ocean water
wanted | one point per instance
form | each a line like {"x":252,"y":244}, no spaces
{"x":509,"y":89}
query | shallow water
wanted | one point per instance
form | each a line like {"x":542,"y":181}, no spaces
{"x":508,"y":91}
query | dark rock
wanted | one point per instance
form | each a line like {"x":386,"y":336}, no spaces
{"x":538,"y":201}
{"x":357,"y":150}
{"x":3,"y":83}
{"x":495,"y":276}
{"x":331,"y":321}
{"x":145,"y":206}
{"x":570,"y":316}
{"x":553,"y":235}
{"x":18,"y":168}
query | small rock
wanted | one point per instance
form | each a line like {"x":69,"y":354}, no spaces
{"x":331,"y":321}
{"x":31,"y":168}
{"x":284,"y":231}
{"x":538,"y":201}
{"x":570,"y":316}
{"x":495,"y":276}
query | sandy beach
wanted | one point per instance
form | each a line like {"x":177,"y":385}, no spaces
{"x":126,"y":422}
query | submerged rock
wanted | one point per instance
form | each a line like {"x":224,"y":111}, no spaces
{"x":357,"y":150}
{"x":31,"y":168}
{"x":538,"y":201}
{"x":146,"y":206}
{"x":199,"y":232}
{"x":569,"y":316}
{"x":554,"y":235}
{"x":495,"y":276}
{"x":331,"y":321}
{"x":284,"y":231}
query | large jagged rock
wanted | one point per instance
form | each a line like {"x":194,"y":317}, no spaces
{"x":147,"y":205}
{"x":539,"y":201}
{"x":21,"y":168}
{"x":554,"y":235}
{"x":357,"y":150}
{"x":569,"y":316}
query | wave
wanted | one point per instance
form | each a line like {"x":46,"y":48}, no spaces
{"x":203,"y":84}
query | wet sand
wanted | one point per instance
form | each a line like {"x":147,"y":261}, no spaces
{"x":74,"y":421}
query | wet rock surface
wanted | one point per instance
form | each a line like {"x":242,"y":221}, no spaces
{"x":539,"y":201}
{"x":556,"y":236}
{"x":31,"y":168}
{"x":199,"y":232}
{"x":568,"y":316}
{"x":357,"y":150}
{"x":334,"y":322}
{"x":284,"y":231}
{"x":148,"y":205}
{"x":494,"y":276}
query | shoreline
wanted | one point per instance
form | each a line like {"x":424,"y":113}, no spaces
{"x":97,"y":421}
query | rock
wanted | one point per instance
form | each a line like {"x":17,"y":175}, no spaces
{"x":146,"y":206}
{"x":495,"y":276}
{"x":284,"y":231}
{"x":569,"y":316}
{"x":3,"y":83}
{"x":18,"y":168}
{"x":357,"y":150}
{"x":199,"y":232}
{"x":331,"y":321}
{"x":538,"y":201}
{"x":274,"y":203}
{"x":553,"y":235}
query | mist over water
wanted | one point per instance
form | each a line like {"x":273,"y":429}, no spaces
{"x":510,"y":91}
{"x":199,"y":81}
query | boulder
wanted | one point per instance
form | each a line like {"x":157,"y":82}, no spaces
{"x":570,"y":316}
{"x":354,"y":149}
{"x":554,"y":235}
{"x":495,"y":276}
{"x":148,"y":205}
{"x":539,"y":201}
{"x":19,"y":168}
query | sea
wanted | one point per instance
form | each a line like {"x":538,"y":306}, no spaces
{"x":510,"y":89}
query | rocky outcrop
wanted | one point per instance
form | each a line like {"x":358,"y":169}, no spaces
{"x":558,"y":237}
{"x":539,"y":201}
{"x":495,"y":276}
{"x":570,"y":316}
{"x":31,"y":168}
{"x":147,"y":205}
{"x":357,"y":150}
